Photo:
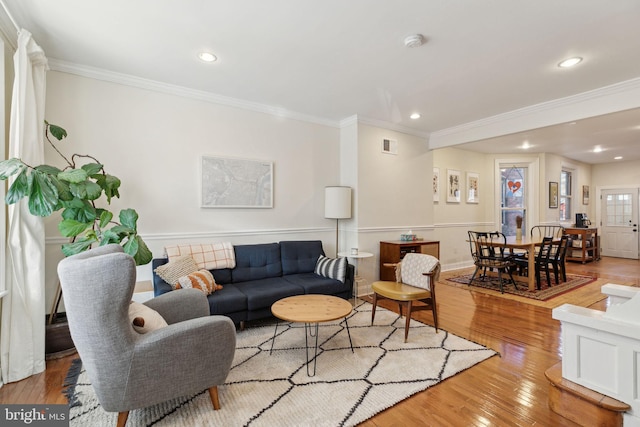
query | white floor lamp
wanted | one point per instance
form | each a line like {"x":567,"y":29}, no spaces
{"x":337,"y":205}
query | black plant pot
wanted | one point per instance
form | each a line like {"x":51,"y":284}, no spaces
{"x":58,"y":342}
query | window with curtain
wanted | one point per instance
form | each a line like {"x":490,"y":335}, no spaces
{"x":565,"y":195}
{"x":513,"y":198}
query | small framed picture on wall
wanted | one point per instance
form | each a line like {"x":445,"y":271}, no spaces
{"x":585,"y":194}
{"x":436,"y":184}
{"x":453,"y":186}
{"x":553,"y":195}
{"x":473,"y":187}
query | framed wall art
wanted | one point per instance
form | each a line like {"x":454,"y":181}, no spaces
{"x":553,"y":195}
{"x":453,"y":186}
{"x":585,"y":194}
{"x":472,"y":187}
{"x":236,"y":183}
{"x":436,"y":184}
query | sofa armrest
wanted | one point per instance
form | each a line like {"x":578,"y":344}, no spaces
{"x":349,"y":276}
{"x":180,"y":305}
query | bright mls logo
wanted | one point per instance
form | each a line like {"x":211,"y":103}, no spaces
{"x":34,"y":415}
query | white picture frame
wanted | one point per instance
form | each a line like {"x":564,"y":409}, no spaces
{"x":229,"y":182}
{"x":453,"y":186}
{"x":473,"y":187}
{"x":436,"y":184}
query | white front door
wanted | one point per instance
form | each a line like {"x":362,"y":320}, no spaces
{"x":620,"y":223}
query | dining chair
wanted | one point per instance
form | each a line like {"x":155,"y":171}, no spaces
{"x":488,"y":250}
{"x":557,"y":258}
{"x":540,"y":231}
{"x":542,"y":262}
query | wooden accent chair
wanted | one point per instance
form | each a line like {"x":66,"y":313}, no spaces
{"x":130,"y":370}
{"x":416,"y":277}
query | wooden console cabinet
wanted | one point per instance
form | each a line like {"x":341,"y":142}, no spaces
{"x":584,"y":246}
{"x":393,"y":251}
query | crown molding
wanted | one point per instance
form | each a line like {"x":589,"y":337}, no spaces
{"x":608,"y":99}
{"x":156,"y":86}
{"x":8,"y":29}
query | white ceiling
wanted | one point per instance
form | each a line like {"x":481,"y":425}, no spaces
{"x":332,"y":59}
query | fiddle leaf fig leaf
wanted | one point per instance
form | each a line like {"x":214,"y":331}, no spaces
{"x":51,"y":170}
{"x":11,"y":167}
{"x":109,"y":237}
{"x":92,"y":168}
{"x":110,"y":185}
{"x":18,"y":189}
{"x":131,"y":247}
{"x":72,"y":228}
{"x":105,"y":218}
{"x":80,"y":210}
{"x":80,"y":245}
{"x":129,"y":218}
{"x":86,"y":190}
{"x":143,"y":255}
{"x":64,"y":194}
{"x":122,"y":231}
{"x":58,"y":132}
{"x":43,"y":196}
{"x":73,"y":176}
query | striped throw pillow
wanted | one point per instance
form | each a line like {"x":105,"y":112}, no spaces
{"x":333,"y":268}
{"x":202,"y":280}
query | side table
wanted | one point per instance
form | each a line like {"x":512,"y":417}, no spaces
{"x":359,"y":255}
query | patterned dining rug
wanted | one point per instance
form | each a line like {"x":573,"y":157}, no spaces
{"x":274,"y":390}
{"x":545,"y":292}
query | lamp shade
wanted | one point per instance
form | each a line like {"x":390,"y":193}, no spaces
{"x":337,"y":202}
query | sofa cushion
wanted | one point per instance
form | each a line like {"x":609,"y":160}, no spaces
{"x":222,"y":276}
{"x":201,"y":280}
{"x":263,"y":293}
{"x":300,"y":256}
{"x":333,"y":268}
{"x":176,"y":268}
{"x":255,"y":262}
{"x":227,"y":300}
{"x":315,"y":284}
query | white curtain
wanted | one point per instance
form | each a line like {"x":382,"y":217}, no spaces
{"x":22,"y":330}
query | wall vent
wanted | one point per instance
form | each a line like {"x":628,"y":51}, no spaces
{"x":390,"y":146}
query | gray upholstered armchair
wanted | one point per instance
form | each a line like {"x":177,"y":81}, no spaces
{"x":129,"y":370}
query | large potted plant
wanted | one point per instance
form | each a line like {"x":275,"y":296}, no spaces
{"x":76,"y":190}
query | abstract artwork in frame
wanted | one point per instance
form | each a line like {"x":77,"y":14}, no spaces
{"x":436,"y":184}
{"x":472,"y":187}
{"x":236,"y":183}
{"x":453,"y":186}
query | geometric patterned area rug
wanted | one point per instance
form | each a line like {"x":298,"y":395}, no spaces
{"x":545,"y":293}
{"x":274,"y":390}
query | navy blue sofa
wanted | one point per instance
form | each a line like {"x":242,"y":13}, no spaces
{"x":265,"y":273}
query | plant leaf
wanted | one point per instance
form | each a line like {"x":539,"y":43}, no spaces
{"x":10,"y":167}
{"x":129,"y":218}
{"x":80,"y":210}
{"x":58,"y":132}
{"x":18,"y":189}
{"x":80,"y":245}
{"x":72,"y":228}
{"x":51,"y":170}
{"x":64,"y":194}
{"x":43,"y":196}
{"x":73,"y":175}
{"x":110,"y":185}
{"x":86,"y":190}
{"x":131,"y":247}
{"x":144,"y":255}
{"x":92,"y":168}
{"x":110,"y":237}
{"x":105,"y":218}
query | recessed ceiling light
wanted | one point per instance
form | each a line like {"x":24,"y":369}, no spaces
{"x":207,"y":56}
{"x":525,"y":145}
{"x":570,"y":62}
{"x":415,"y":116}
{"x":617,"y":158}
{"x":597,"y":149}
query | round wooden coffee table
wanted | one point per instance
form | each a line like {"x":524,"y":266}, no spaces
{"x":311,"y":309}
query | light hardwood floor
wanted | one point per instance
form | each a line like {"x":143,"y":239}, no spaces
{"x":510,"y":390}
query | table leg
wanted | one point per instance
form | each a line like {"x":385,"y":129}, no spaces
{"x":274,"y":337}
{"x":531,"y":267}
{"x":308,"y":331}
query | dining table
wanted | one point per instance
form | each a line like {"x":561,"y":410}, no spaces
{"x":527,"y":244}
